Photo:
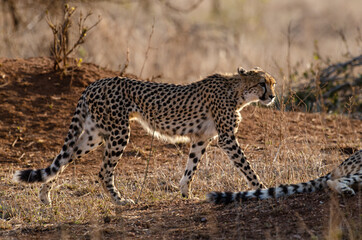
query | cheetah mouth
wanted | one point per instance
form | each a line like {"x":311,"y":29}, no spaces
{"x":267,"y":101}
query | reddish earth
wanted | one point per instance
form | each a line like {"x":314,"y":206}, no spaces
{"x":35,"y":110}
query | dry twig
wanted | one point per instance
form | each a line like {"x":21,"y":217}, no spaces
{"x":61,"y":48}
{"x":148,"y":47}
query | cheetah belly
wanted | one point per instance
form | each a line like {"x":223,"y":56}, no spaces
{"x":159,"y":133}
{"x":205,"y":129}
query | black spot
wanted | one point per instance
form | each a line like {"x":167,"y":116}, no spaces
{"x":64,"y":148}
{"x":56,"y":162}
{"x":192,"y":155}
{"x":118,"y":154}
{"x":271,"y":191}
{"x":239,"y":165}
{"x":284,"y":188}
{"x":65,"y":155}
{"x":196,"y":160}
{"x":257,"y":193}
{"x":70,"y":136}
{"x":48,"y":170}
{"x":295,"y":187}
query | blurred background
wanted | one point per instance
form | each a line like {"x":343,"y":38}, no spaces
{"x":184,"y":40}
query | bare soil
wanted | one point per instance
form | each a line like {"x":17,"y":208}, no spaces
{"x":36,"y":108}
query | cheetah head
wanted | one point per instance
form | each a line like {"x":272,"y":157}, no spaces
{"x":259,"y":86}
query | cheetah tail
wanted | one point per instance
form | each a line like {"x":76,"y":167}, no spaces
{"x":274,"y":192}
{"x":65,"y":155}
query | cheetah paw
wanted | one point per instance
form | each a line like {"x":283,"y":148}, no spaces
{"x":125,"y":201}
{"x":348,"y":192}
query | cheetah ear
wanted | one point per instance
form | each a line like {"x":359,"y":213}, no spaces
{"x":255,"y":71}
{"x":242,"y":71}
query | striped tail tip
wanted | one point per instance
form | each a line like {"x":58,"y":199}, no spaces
{"x":220,"y":197}
{"x":28,"y":176}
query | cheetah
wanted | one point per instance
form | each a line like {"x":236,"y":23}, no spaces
{"x":197,"y":112}
{"x":340,"y":180}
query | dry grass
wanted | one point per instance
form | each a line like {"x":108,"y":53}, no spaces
{"x":283,"y":147}
{"x":78,"y":199}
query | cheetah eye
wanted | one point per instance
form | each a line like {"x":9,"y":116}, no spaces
{"x":262,"y":84}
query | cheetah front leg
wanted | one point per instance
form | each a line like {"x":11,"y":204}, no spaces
{"x":197,"y":149}
{"x":231,"y":147}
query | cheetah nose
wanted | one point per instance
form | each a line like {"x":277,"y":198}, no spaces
{"x":271,"y":96}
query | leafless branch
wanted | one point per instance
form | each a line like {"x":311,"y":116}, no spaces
{"x":125,"y":66}
{"x":148,"y":48}
{"x":331,"y":72}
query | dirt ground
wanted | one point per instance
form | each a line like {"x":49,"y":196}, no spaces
{"x":35,"y":110}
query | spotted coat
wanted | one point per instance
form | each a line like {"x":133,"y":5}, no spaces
{"x":196,"y":112}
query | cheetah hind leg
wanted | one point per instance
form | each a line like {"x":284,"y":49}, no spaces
{"x":88,"y":141}
{"x":113,"y":151}
{"x":342,"y":185}
{"x":44,"y":193}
